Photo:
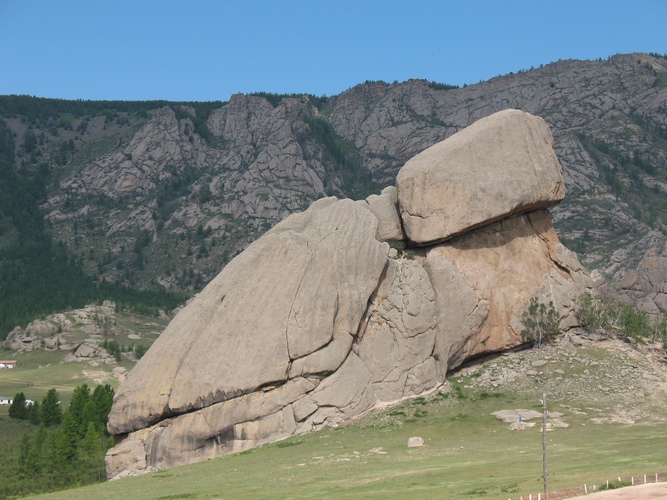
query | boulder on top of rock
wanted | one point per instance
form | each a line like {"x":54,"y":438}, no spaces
{"x":501,"y":165}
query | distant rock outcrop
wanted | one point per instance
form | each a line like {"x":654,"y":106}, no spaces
{"x":319,"y":320}
{"x":639,"y":275}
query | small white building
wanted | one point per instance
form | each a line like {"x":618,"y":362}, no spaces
{"x":7,"y":363}
{"x":7,"y":401}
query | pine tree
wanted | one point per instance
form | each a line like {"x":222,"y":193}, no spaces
{"x":103,"y":398}
{"x":69,"y":438}
{"x":33,"y":413}
{"x":80,"y":398}
{"x":89,"y":415}
{"x":51,"y":413}
{"x":18,"y":409}
{"x":91,"y":452}
{"x":35,"y":458}
{"x":24,"y":452}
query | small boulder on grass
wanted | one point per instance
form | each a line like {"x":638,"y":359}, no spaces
{"x":415,"y":442}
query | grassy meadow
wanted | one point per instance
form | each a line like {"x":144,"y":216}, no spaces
{"x":467,"y":454}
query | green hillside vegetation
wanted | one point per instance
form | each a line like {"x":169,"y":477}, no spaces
{"x":41,"y":376}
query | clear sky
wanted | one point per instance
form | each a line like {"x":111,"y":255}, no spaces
{"x":205,"y":50}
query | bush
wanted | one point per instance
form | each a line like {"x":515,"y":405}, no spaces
{"x":592,"y":312}
{"x":540,"y":321}
{"x":635,"y":323}
{"x":139,"y":351}
{"x":625,"y":319}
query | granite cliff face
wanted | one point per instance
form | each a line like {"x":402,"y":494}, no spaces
{"x":320,"y":320}
{"x":169,"y":193}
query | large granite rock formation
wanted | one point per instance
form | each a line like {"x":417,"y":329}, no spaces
{"x":319,"y":320}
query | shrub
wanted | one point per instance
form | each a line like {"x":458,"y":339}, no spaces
{"x":139,"y":351}
{"x":635,"y":323}
{"x":540,"y":321}
{"x":593,"y":313}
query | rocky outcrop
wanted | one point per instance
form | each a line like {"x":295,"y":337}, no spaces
{"x":318,"y":321}
{"x":645,"y":284}
{"x":385,"y":209}
{"x":87,"y":351}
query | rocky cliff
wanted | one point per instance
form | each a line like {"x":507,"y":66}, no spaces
{"x":166,"y":193}
{"x":337,"y":310}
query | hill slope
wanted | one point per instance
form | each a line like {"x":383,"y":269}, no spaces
{"x":610,"y":394}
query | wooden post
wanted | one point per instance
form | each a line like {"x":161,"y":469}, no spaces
{"x":544,"y":445}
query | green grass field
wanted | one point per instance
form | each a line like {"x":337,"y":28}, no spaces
{"x":467,"y":454}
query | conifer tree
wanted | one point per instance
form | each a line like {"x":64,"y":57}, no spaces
{"x":33,"y":413}
{"x":80,"y":398}
{"x":50,"y":412}
{"x":18,"y":409}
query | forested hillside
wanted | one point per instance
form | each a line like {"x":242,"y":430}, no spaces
{"x":160,"y":196}
{"x":37,"y":274}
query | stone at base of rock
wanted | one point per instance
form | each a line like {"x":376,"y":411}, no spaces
{"x":415,"y":442}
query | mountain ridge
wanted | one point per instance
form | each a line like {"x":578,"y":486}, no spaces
{"x":164,"y":194}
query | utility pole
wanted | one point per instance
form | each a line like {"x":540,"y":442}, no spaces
{"x":544,"y":445}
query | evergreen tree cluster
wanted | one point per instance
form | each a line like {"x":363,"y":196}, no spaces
{"x":66,"y":449}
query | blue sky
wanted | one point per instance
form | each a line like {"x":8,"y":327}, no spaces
{"x":207,"y":50}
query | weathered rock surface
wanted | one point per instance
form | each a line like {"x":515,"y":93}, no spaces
{"x":484,"y":279}
{"x":396,"y":342}
{"x":415,"y":442}
{"x":86,"y":351}
{"x":646,"y":285}
{"x":318,"y":322}
{"x":385,"y":208}
{"x":281,"y":308}
{"x":501,"y":165}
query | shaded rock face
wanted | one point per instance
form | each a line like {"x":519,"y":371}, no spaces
{"x":484,"y":279}
{"x":318,"y":322}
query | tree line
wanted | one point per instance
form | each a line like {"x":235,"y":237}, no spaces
{"x":64,"y":449}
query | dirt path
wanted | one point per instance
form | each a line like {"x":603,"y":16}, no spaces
{"x":653,"y":491}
